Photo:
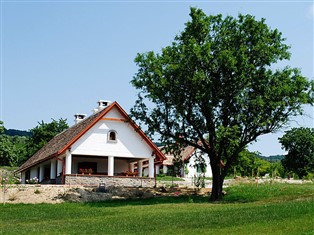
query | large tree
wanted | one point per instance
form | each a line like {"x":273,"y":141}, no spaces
{"x":214,"y":88}
{"x":12,"y":148}
{"x":44,"y":132}
{"x":299,"y":142}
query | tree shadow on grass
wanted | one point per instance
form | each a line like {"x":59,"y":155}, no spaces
{"x":150,"y":201}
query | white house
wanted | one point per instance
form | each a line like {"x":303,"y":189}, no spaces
{"x":194,"y":163}
{"x":101,"y":148}
{"x":197,"y":163}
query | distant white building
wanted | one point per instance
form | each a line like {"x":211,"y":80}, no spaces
{"x":194,"y":161}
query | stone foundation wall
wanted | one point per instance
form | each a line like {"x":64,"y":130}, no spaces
{"x":92,"y":180}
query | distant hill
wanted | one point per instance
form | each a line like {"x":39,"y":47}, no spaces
{"x":273,"y":158}
{"x":13,"y":132}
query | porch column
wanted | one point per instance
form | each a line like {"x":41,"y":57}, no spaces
{"x":23,"y":177}
{"x":110,"y":166}
{"x":53,"y":169}
{"x":132,"y":167}
{"x":41,"y":173}
{"x":59,"y":167}
{"x":140,"y":168}
{"x":157,"y":169}
{"x":68,"y":162}
{"x":151,"y":169}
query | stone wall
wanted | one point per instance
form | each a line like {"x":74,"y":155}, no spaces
{"x":92,"y":180}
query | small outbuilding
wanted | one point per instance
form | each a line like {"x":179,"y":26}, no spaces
{"x":193,"y":162}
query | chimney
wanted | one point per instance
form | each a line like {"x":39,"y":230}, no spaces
{"x":79,"y":117}
{"x":101,"y":105}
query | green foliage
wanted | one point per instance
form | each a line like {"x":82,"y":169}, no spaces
{"x":277,"y":169}
{"x":186,"y":170}
{"x":309,"y":176}
{"x":299,"y":142}
{"x":252,"y":165}
{"x":14,"y":150}
{"x":8,"y":168}
{"x":6,"y":178}
{"x":168,"y":178}
{"x":199,"y":181}
{"x":272,"y":158}
{"x":1,"y":127}
{"x":44,"y":132}
{"x":199,"y":164}
{"x":216,"y":80}
{"x":13,"y":132}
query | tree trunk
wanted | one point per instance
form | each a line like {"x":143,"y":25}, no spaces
{"x":218,"y":179}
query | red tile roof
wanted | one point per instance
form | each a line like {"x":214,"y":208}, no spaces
{"x":185,"y":154}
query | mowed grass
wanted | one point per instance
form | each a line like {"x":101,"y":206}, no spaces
{"x":246,"y":209}
{"x":168,"y":178}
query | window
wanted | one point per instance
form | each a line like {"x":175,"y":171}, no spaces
{"x":112,"y":136}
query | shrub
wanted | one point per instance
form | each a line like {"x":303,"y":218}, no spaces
{"x":199,"y":181}
{"x":34,"y":180}
{"x":309,"y":176}
{"x":10,"y":179}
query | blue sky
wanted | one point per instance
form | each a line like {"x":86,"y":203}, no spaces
{"x":59,"y":58}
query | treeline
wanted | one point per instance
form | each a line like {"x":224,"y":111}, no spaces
{"x":298,"y":162}
{"x":253,"y":165}
{"x":13,"y":132}
{"x":272,"y":158}
{"x":17,"y":146}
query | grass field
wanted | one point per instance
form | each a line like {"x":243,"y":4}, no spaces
{"x":246,"y":209}
{"x":168,"y":178}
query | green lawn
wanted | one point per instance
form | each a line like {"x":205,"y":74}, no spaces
{"x":168,"y":178}
{"x":247,"y":209}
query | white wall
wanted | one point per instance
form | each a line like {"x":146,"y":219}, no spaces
{"x":95,"y":142}
{"x":164,"y":169}
{"x":193,"y":170}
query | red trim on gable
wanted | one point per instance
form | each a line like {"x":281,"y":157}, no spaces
{"x":142,"y":134}
{"x":188,"y":156}
{"x":106,"y":110}
{"x":156,"y":151}
{"x":115,"y":119}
